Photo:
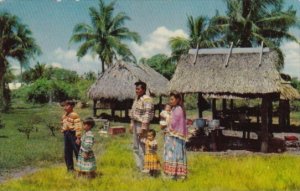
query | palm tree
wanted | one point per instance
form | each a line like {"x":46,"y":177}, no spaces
{"x":105,"y":36}
{"x":38,"y":71}
{"x":249,"y":22}
{"x":202,"y":34}
{"x":16,"y":42}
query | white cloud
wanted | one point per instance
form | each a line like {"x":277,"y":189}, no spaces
{"x":56,"y":65}
{"x":2,"y":1}
{"x":291,"y":51}
{"x":70,"y":55}
{"x":156,"y":43}
{"x":68,"y":59}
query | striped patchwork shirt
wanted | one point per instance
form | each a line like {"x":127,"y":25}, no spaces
{"x":142,"y":110}
{"x":71,"y":122}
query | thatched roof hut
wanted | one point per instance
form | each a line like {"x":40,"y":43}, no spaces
{"x":243,"y":75}
{"x":117,"y":82}
{"x":234,"y":73}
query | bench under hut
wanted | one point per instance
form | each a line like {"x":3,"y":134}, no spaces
{"x":234,"y":73}
{"x":115,"y":88}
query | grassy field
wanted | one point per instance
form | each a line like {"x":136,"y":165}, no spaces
{"x":16,"y":151}
{"x":207,"y":171}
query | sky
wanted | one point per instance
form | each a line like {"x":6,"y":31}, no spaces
{"x":52,"y":23}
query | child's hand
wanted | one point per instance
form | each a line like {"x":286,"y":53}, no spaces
{"x":85,"y":156}
{"x":162,"y":127}
{"x":78,"y":141}
{"x":131,"y":128}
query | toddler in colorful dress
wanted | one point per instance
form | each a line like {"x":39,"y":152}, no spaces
{"x":86,"y":159}
{"x":151,"y":160}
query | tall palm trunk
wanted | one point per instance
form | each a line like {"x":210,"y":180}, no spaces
{"x":102,"y":64}
{"x":2,"y":84}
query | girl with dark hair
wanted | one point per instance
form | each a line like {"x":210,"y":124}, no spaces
{"x":86,"y":159}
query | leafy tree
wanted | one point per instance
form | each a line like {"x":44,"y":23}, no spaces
{"x":203,"y":33}
{"x":91,"y":76}
{"x":249,"y":22}
{"x":162,"y":64}
{"x":37,"y":72}
{"x":16,"y":42}
{"x":105,"y":35}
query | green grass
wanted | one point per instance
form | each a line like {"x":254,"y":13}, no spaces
{"x":115,"y":161}
{"x":42,"y":148}
{"x":206,"y":172}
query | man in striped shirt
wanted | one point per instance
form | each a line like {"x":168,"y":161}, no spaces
{"x":141,"y":114}
{"x":71,"y":127}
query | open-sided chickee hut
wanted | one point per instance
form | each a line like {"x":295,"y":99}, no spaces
{"x":234,"y":73}
{"x":115,"y":88}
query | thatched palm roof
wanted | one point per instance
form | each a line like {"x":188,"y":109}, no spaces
{"x":246,"y":74}
{"x":287,"y":92}
{"x":117,"y":82}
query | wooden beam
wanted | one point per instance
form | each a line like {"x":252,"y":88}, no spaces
{"x":265,"y":124}
{"x":225,"y":50}
{"x":159,"y":105}
{"x":281,"y":114}
{"x":261,"y":53}
{"x":94,"y":108}
{"x":214,"y":108}
{"x":228,"y":55}
{"x":224,"y":104}
{"x":231,"y":104}
{"x":200,"y":110}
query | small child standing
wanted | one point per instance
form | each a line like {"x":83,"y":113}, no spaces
{"x":151,"y":161}
{"x":86,"y":159}
{"x":165,"y":116}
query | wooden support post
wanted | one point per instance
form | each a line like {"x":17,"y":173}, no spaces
{"x":265,"y":109}
{"x":288,"y":112}
{"x":113,"y":113}
{"x":270,"y":112}
{"x":200,"y":107}
{"x":214,"y":109}
{"x":281,"y":114}
{"x":284,"y":114}
{"x":231,"y":104}
{"x":159,"y":105}
{"x":257,"y":116}
{"x":224,"y":105}
{"x":94,"y":108}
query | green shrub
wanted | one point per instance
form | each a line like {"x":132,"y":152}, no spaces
{"x":43,"y":91}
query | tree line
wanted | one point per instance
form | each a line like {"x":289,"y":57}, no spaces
{"x":246,"y":23}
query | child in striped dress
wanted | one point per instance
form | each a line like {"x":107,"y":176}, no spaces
{"x":86,"y":159}
{"x":151,"y":160}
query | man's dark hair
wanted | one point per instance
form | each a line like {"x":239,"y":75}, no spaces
{"x":69,"y":102}
{"x":142,"y":84}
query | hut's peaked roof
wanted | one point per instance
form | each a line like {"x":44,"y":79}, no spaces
{"x":117,"y":82}
{"x":244,"y":71}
